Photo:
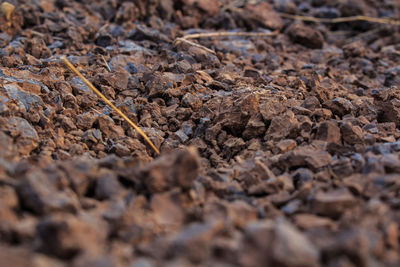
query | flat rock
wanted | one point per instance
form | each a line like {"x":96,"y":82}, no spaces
{"x":179,"y":169}
{"x":339,"y":106}
{"x":329,"y":131}
{"x":66,"y":236}
{"x":257,"y":251}
{"x":305,"y":156}
{"x":333,"y":203}
{"x":262,"y":14}
{"x":306,"y":36}
{"x":25,"y":136}
{"x":40,"y":193}
{"x":351,"y":134}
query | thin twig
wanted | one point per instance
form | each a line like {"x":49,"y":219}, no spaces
{"x":91,"y":86}
{"x":106,"y":63}
{"x":177,"y":40}
{"x":228,"y":34}
{"x":98,"y":112}
{"x":342,"y":19}
{"x":218,"y":35}
{"x":103,"y":27}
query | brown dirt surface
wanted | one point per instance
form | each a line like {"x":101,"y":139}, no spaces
{"x":281,"y":150}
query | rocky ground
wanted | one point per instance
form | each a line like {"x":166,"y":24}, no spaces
{"x":275,"y":151}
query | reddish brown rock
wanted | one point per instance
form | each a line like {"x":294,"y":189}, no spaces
{"x":25,"y":136}
{"x":351,"y":134}
{"x":195,"y":240}
{"x":305,"y":156}
{"x":282,"y":126}
{"x":339,"y":106}
{"x":108,"y":128}
{"x":286,"y":145}
{"x":256,"y":247}
{"x":270,"y":108}
{"x":306,"y":36}
{"x":234,"y":118}
{"x":333,"y":203}
{"x":329,"y":131}
{"x":262,"y":14}
{"x":66,"y":236}
{"x":177,"y":170}
{"x":41,"y":194}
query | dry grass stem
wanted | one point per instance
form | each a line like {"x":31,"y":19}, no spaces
{"x":91,"y":86}
{"x":228,"y":34}
{"x":106,"y":63}
{"x":7,"y":9}
{"x":177,"y":40}
{"x":186,"y":38}
{"x":342,"y":19}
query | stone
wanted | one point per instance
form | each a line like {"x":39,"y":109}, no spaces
{"x":118,"y":80}
{"x":351,"y":134}
{"x":306,"y":36}
{"x":310,"y":221}
{"x":108,"y":128}
{"x":15,"y":256}
{"x":204,"y":57}
{"x":127,"y":12}
{"x":210,"y":7}
{"x":354,"y":49}
{"x":168,"y":210}
{"x":339,"y":106}
{"x":333,"y":203}
{"x":321,"y":114}
{"x":8,"y":197}
{"x":253,"y":173}
{"x":271,"y":108}
{"x":286,"y":6}
{"x":157,"y":84}
{"x":262,"y":15}
{"x":92,"y":136}
{"x":392,"y":76}
{"x":302,"y":176}
{"x":311,"y":103}
{"x":255,"y":127}
{"x":390,"y":163}
{"x":68,"y":124}
{"x":352,"y":8}
{"x":8,"y":219}
{"x":286,"y":145}
{"x":232,"y":146}
{"x":4,"y":39}
{"x":305,"y":156}
{"x":237,"y":114}
{"x":390,"y":111}
{"x":241,"y":213}
{"x":265,"y":187}
{"x":25,"y":136}
{"x":282,"y":126}
{"x":256,"y":249}
{"x":178,"y":169}
{"x":142,"y":32}
{"x":7,"y":149}
{"x":107,"y":185}
{"x":103,"y":40}
{"x":38,"y":193}
{"x":192,"y":101}
{"x":85,"y":121}
{"x":329,"y":131}
{"x":66,"y":236}
{"x":195,"y":240}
